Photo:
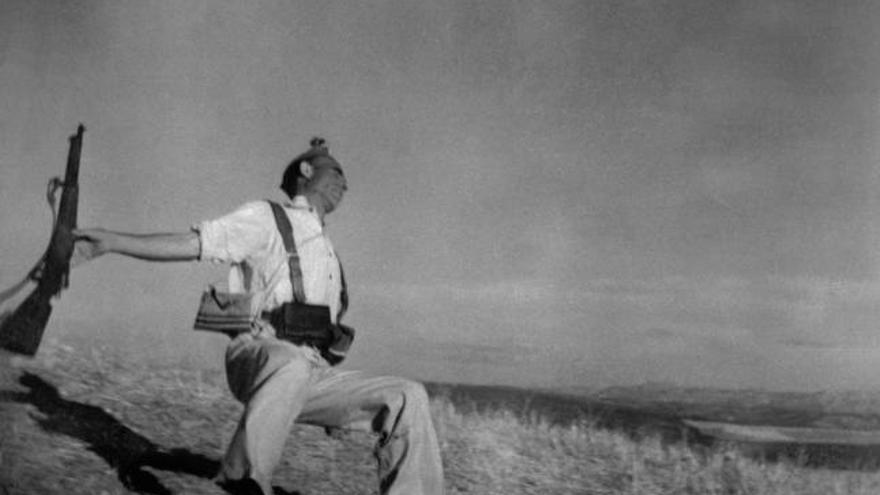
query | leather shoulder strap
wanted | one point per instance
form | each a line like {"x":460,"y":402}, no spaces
{"x":286,"y":230}
{"x":343,"y":293}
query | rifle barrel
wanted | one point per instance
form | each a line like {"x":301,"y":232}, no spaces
{"x":22,"y":330}
{"x":55,"y":273}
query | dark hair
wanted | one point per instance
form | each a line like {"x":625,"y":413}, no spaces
{"x":318,"y":148}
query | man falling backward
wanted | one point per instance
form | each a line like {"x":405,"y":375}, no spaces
{"x":279,"y":381}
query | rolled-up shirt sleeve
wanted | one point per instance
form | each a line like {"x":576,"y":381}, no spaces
{"x":236,"y":236}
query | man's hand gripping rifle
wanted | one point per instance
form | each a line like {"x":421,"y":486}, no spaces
{"x":22,"y":330}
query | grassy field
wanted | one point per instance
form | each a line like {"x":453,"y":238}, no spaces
{"x":93,"y":421}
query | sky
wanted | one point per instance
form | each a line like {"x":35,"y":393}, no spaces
{"x":552,"y":194}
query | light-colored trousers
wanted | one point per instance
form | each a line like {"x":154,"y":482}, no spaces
{"x":281,"y":383}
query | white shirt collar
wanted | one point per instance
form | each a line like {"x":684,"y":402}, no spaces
{"x":300,"y":202}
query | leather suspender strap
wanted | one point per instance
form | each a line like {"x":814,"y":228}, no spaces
{"x":302,"y":323}
{"x":296,"y":277}
{"x":343,"y":293}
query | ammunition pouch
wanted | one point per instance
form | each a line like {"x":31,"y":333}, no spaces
{"x":309,"y":324}
{"x":224,"y":312}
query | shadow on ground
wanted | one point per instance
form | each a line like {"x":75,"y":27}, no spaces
{"x":125,"y":450}
{"x":122,"y":448}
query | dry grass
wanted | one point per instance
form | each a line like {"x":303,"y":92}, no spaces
{"x":116,"y":427}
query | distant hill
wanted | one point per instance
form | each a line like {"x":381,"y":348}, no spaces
{"x":856,"y":410}
{"x":666,"y":404}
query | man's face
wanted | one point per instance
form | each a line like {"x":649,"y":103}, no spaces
{"x":327,"y":185}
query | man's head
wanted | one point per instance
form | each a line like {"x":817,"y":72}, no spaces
{"x":316,"y":175}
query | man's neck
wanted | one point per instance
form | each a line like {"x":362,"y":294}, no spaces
{"x":314,"y":201}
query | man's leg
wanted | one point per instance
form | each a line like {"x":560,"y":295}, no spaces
{"x":271,"y":378}
{"x":396,"y":409}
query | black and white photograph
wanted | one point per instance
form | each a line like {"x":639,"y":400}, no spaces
{"x":586,"y":247}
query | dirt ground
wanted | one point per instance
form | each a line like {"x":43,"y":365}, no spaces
{"x":79,"y":421}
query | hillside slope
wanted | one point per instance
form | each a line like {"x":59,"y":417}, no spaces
{"x":95,"y":422}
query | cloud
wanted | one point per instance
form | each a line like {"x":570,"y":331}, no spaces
{"x":511,"y":292}
{"x":661,"y":334}
{"x":782,"y":310}
{"x":803,"y":292}
{"x":810,"y":344}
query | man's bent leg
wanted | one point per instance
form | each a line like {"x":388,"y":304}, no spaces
{"x":271,"y":377}
{"x":395,"y":408}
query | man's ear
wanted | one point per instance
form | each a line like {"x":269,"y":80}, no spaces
{"x":306,"y":170}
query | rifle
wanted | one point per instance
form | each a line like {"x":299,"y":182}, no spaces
{"x":22,"y":330}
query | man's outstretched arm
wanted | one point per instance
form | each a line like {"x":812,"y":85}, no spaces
{"x":91,"y":243}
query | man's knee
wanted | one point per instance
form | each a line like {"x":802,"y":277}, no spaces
{"x":415,"y":393}
{"x":413,"y":399}
{"x":400,"y":400}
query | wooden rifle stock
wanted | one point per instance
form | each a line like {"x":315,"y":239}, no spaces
{"x":22,"y":330}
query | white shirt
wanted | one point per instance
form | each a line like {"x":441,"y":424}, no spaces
{"x":249,"y":239}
